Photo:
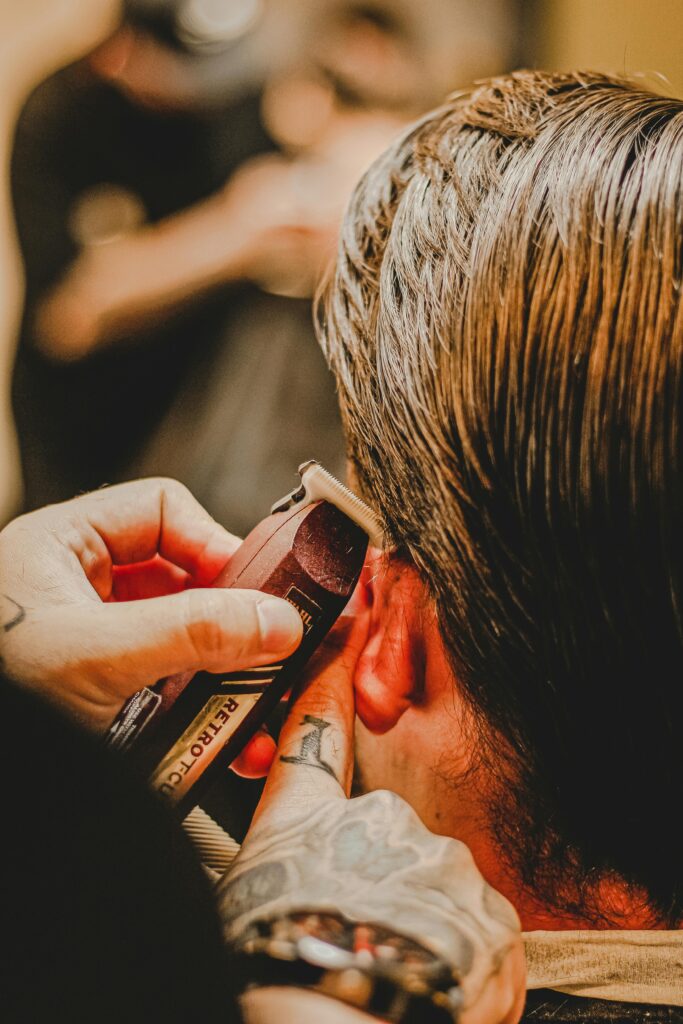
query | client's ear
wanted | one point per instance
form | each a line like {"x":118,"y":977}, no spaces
{"x":389,"y":675}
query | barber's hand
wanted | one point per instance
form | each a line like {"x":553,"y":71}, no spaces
{"x":105,"y":594}
{"x":369,"y":858}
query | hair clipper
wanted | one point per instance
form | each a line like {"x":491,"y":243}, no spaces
{"x":309,"y":551}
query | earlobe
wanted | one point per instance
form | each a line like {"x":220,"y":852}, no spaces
{"x":389,"y":675}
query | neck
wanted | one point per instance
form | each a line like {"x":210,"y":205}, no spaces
{"x":612,"y":904}
{"x":452,"y":797}
{"x":466,"y":805}
{"x":430,"y":757}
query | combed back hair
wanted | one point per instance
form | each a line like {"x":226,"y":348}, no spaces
{"x":506,"y":328}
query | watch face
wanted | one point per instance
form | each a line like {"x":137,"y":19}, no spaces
{"x":363,"y":964}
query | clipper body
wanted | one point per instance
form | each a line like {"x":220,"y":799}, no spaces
{"x":187,"y":729}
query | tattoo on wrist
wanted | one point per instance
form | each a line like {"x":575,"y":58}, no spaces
{"x":310,"y":751}
{"x":16,"y":617}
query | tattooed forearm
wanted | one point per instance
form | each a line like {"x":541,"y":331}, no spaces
{"x":311,"y":746}
{"x":17,"y":614}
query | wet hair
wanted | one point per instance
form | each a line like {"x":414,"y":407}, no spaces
{"x":505,"y":324}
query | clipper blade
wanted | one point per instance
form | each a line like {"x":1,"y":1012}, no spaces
{"x":319,"y":485}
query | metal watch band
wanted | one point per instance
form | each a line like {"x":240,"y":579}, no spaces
{"x":364,"y":965}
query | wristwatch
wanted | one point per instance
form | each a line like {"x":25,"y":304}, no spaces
{"x":364,"y":965}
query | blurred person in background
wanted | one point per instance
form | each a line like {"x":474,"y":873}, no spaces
{"x":175,"y":212}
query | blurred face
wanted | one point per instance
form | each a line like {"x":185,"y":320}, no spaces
{"x":147,"y":72}
{"x":373,"y":62}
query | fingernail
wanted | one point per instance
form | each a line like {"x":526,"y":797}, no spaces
{"x":280,"y":624}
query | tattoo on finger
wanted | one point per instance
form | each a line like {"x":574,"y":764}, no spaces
{"x":16,"y":617}
{"x":310,"y":752}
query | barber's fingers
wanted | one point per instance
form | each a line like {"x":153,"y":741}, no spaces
{"x":255,"y":760}
{"x":315,"y":753}
{"x":100,"y":654}
{"x":503,"y":995}
{"x":134,"y":522}
{"x":153,"y":578}
{"x":159,"y":516}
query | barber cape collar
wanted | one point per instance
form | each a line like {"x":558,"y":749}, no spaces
{"x":632,"y":966}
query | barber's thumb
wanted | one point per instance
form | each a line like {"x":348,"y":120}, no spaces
{"x":135,"y":643}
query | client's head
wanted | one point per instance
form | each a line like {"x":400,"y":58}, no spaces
{"x":505,"y":323}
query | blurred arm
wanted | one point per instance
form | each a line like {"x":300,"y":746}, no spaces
{"x":275,"y":222}
{"x":116,"y":286}
{"x":36,"y":37}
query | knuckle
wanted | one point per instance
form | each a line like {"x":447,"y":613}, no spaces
{"x":22,"y":527}
{"x":172,"y":487}
{"x":205,"y":624}
{"x":174,"y":493}
{"x":384,"y":803}
{"x":217,"y":626}
{"x":322,"y":703}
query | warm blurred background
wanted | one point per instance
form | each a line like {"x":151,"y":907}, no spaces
{"x":177,"y":195}
{"x":615,"y":35}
